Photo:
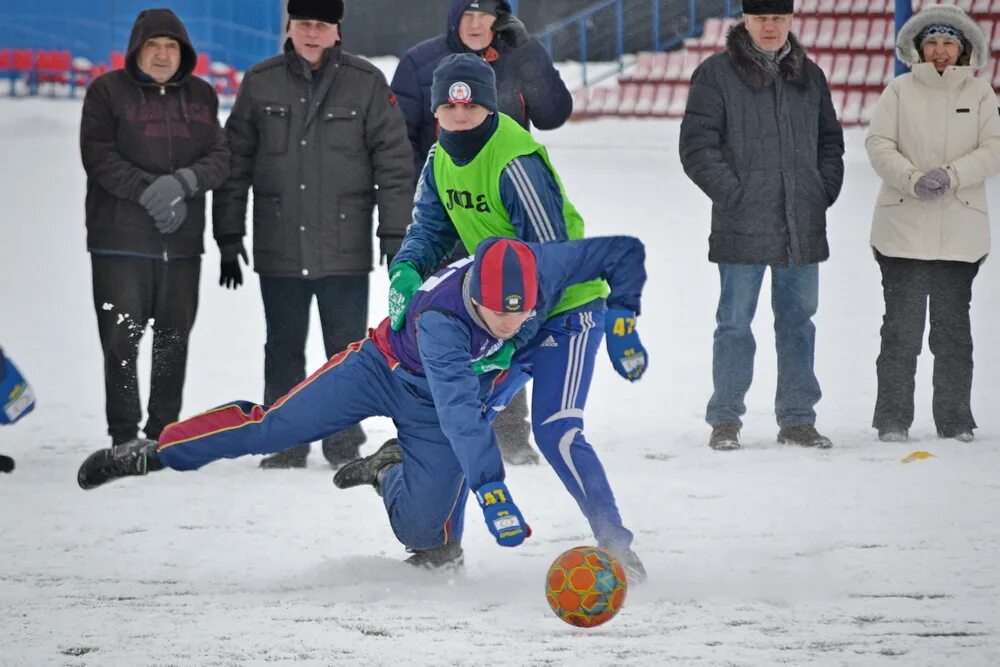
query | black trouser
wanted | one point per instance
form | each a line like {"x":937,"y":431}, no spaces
{"x":343,"y":315}
{"x":907,"y":286}
{"x":128,"y":292}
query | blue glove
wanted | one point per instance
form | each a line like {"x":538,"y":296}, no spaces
{"x":404,"y":281}
{"x":16,"y":397}
{"x":502,"y":516}
{"x":628,"y":356}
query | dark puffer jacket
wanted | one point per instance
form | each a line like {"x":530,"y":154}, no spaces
{"x":529,"y":88}
{"x":765,"y":145}
{"x":134,"y":130}
{"x":319,"y":156}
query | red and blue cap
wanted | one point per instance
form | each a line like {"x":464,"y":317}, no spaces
{"x":504,"y":276}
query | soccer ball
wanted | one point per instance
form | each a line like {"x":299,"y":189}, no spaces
{"x":586,"y":586}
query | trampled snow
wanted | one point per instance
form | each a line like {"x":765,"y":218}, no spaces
{"x":769,"y":555}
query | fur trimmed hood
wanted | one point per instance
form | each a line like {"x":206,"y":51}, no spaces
{"x":975,"y":47}
{"x":753,"y":66}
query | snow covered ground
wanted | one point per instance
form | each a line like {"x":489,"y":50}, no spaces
{"x":764,"y":556}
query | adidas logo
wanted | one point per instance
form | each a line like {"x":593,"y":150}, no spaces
{"x":549,"y":342}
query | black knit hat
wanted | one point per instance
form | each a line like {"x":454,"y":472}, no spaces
{"x":464,"y":78}
{"x":328,"y":11}
{"x":485,"y":6}
{"x":768,"y":6}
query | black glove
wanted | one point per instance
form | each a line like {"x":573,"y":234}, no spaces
{"x":511,"y":29}
{"x":164,"y":199}
{"x":388,"y":247}
{"x":230,"y":274}
{"x":6,"y":464}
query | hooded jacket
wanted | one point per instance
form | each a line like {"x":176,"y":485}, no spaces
{"x":134,"y":130}
{"x":529,"y":88}
{"x":926,"y":120}
{"x":320,"y":150}
{"x":762,"y":140}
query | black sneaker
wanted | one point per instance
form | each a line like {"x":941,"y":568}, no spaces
{"x":804,"y":435}
{"x":135,"y":457}
{"x":366,"y":470}
{"x":725,"y":437}
{"x":444,"y":558}
{"x":635,"y":571}
{"x":290,"y":458}
{"x":962,"y":436}
{"x":343,"y":447}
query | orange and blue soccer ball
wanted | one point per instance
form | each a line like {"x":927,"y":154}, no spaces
{"x":586,"y":586}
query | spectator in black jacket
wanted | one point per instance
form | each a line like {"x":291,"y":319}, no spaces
{"x":152,"y":146}
{"x":761,"y":138}
{"x":529,"y":90}
{"x":317,"y":134}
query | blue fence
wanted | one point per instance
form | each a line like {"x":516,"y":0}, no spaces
{"x":237,"y":32}
{"x":606,"y":31}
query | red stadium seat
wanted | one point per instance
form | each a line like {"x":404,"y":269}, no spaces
{"x":825,"y":6}
{"x":842,"y":37}
{"x":659,"y":67}
{"x":643,"y":66}
{"x":841,"y":68}
{"x":678,"y":103}
{"x":691,"y":62}
{"x":859,"y":36}
{"x":117,"y":60}
{"x":827,"y":29}
{"x":661,"y":104}
{"x":630,"y":95}
{"x":859,"y":70}
{"x":825,"y":62}
{"x":675,"y":66}
{"x":808,"y":7}
{"x":981,"y":7}
{"x":838,"y":94}
{"x":810,"y":30}
{"x":852,"y":108}
{"x":842,"y":7}
{"x":644,"y":99}
{"x":876,"y":70}
{"x":202,"y":65}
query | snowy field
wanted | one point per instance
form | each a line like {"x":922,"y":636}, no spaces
{"x":770,"y":555}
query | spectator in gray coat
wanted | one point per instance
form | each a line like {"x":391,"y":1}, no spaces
{"x":760,"y":137}
{"x":317,"y":134}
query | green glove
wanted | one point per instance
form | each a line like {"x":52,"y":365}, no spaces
{"x":404,"y":281}
{"x":498,"y":361}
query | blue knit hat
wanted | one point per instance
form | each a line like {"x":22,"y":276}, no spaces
{"x":464,"y":78}
{"x":941,"y":30}
{"x":504,"y":276}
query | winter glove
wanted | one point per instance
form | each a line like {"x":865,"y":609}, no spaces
{"x":404,"y":281}
{"x":933,"y":185}
{"x":16,"y":397}
{"x":388,"y":247}
{"x":511,"y":29}
{"x":230,"y":274}
{"x":164,"y":199}
{"x":498,"y":361}
{"x":628,"y":356}
{"x":6,"y":464}
{"x":502,"y":516}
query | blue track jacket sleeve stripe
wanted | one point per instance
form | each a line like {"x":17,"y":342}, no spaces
{"x":444,"y":343}
{"x":620,"y":260}
{"x":431,"y":235}
{"x":532,"y":198}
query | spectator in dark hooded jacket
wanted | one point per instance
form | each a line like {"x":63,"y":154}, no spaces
{"x":152,"y":146}
{"x":529,"y":88}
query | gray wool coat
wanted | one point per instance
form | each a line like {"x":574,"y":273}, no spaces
{"x":765,"y":145}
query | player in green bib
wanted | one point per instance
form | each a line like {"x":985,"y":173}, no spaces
{"x":486,"y":176}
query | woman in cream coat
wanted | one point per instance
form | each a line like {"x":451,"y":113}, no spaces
{"x":934,"y":139}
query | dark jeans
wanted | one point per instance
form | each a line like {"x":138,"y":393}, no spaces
{"x":343,"y":314}
{"x":907,"y":286}
{"x":128,"y":292}
{"x":794,"y":299}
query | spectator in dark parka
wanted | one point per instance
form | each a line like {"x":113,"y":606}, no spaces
{"x":151,"y":146}
{"x":761,"y":138}
{"x":317,"y":134}
{"x":529,"y":90}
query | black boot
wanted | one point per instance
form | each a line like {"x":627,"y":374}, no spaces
{"x":135,"y":457}
{"x":366,"y":470}
{"x":804,"y":435}
{"x":342,"y":447}
{"x":290,"y":458}
{"x":6,"y":464}
{"x":446,"y":557}
{"x":725,"y":437}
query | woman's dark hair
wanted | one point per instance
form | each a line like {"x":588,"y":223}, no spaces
{"x":964,"y":58}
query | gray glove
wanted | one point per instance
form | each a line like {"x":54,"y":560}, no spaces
{"x":933,"y":185}
{"x":164,"y":199}
{"x":511,"y":29}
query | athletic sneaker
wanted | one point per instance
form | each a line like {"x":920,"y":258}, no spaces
{"x":635,"y":571}
{"x":135,"y":457}
{"x":443,"y":558}
{"x":725,"y":437}
{"x":366,"y":470}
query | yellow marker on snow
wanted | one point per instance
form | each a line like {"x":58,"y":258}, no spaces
{"x":918,"y":455}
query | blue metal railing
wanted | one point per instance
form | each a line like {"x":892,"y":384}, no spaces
{"x":636,"y":25}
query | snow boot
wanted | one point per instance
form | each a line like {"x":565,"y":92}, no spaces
{"x":135,"y":457}
{"x":448,"y":557}
{"x":369,"y":470}
{"x":290,"y":458}
{"x":804,"y":435}
{"x":725,"y":437}
{"x":342,"y":447}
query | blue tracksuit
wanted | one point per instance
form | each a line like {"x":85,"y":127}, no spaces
{"x":422,"y":378}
